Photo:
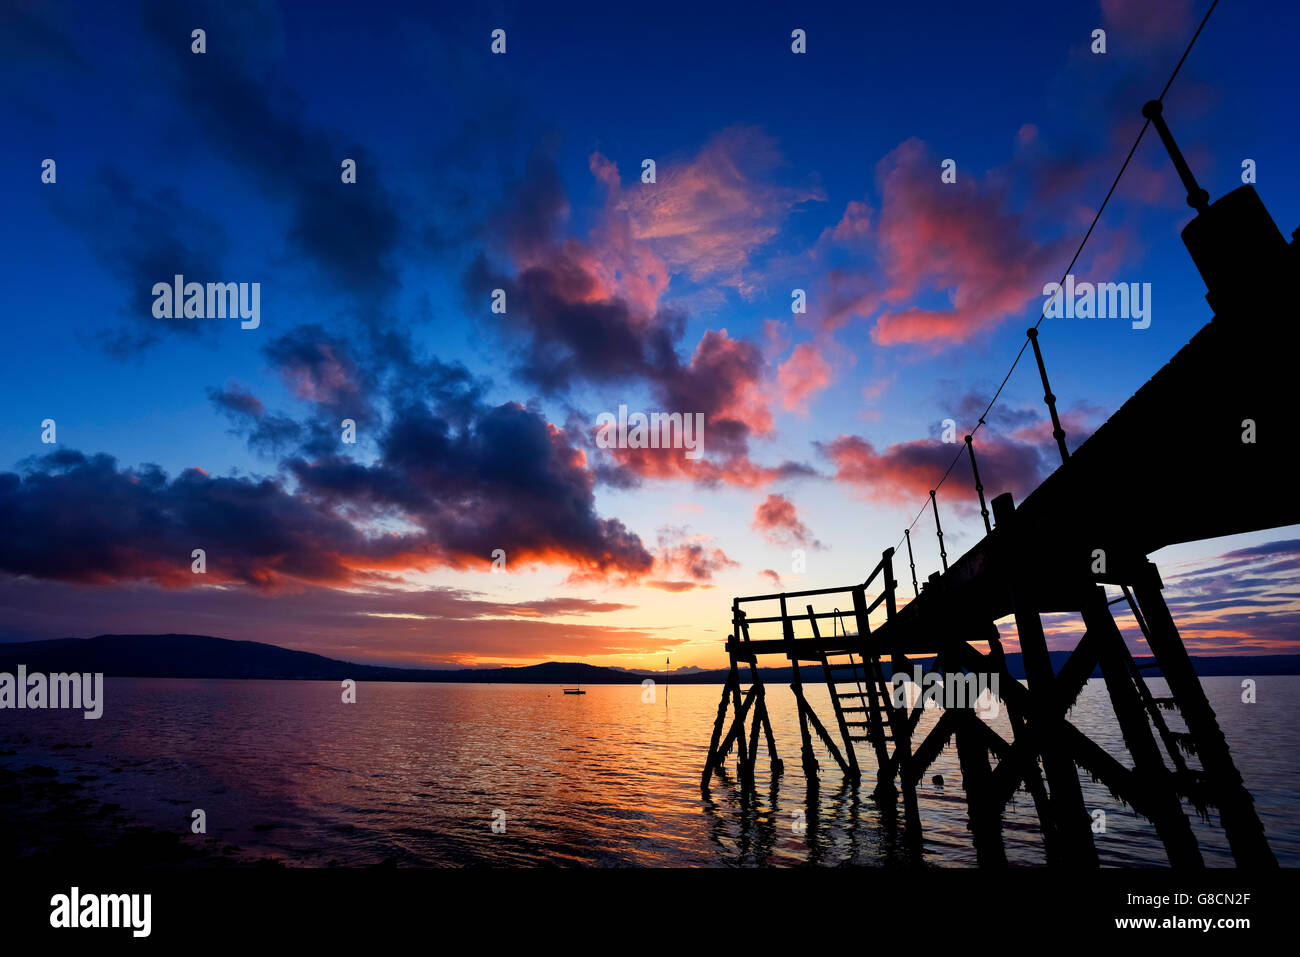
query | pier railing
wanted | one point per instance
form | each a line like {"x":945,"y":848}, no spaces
{"x":861,"y":606}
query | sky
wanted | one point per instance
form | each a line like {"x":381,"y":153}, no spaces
{"x":477,"y":518}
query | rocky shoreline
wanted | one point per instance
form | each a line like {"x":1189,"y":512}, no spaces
{"x":53,"y":819}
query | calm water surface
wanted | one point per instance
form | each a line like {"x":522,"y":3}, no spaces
{"x":412,"y":773}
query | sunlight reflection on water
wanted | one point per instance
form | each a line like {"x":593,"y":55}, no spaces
{"x":414,"y":772}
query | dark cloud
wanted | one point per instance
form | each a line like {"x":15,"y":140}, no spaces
{"x":571,"y":333}
{"x":268,"y":434}
{"x":30,"y":35}
{"x":587,"y":313}
{"x":510,"y":481}
{"x":462,"y":477}
{"x":76,"y":518}
{"x":349,"y":232}
{"x":142,"y":238}
{"x":319,"y":368}
{"x":513,"y":483}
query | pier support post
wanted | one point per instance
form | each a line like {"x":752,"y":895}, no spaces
{"x":806,"y":754}
{"x":774,"y":761}
{"x":1046,"y":723}
{"x":1156,"y":783}
{"x":983,"y":811}
{"x":1241,"y":823}
{"x":714,"y":759}
{"x":738,"y":728}
{"x":1020,"y":736}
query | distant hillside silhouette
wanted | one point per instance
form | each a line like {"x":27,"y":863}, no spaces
{"x":201,"y":656}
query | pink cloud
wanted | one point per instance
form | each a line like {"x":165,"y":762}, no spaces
{"x":854,"y":226}
{"x":777,"y":519}
{"x":802,"y":376}
{"x":959,"y":238}
{"x":706,"y":216}
{"x":685,"y":561}
{"x":905,"y":472}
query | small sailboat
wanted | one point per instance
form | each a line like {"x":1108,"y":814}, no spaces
{"x":574,"y":691}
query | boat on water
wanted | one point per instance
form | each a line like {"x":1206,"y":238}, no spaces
{"x":574,"y":691}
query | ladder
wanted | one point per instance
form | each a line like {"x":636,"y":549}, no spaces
{"x":865,"y":717}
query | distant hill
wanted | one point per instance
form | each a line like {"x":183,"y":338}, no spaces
{"x":201,"y":656}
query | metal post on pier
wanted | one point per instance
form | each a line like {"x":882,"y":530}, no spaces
{"x":1058,"y":433}
{"x":943,"y":556}
{"x":916,"y":589}
{"x":979,"y":489}
{"x":1197,"y":198}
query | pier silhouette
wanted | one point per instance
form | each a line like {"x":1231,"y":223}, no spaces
{"x":1197,"y":452}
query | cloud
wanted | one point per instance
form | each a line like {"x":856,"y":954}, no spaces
{"x":777,"y":520}
{"x":416,"y":627}
{"x":959,"y":238}
{"x":511,"y":480}
{"x":802,"y":376}
{"x":319,"y":369}
{"x":630,"y":467}
{"x":349,"y":232}
{"x":436,"y":497}
{"x":141,"y":238}
{"x":724,"y":381}
{"x":684,"y":561}
{"x":854,"y":226}
{"x":586,"y":311}
{"x":1142,"y":23}
{"x":589,"y":312}
{"x":1243,"y":601}
{"x":266,"y":433}
{"x":80,"y":519}
{"x":37,"y":51}
{"x":905,"y":472}
{"x":706,"y":217}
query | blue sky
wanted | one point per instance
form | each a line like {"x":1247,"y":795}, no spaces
{"x":776,"y":171}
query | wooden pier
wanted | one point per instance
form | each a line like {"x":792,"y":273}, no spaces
{"x":1173,"y":464}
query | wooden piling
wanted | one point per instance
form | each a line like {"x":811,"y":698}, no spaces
{"x":1241,"y":823}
